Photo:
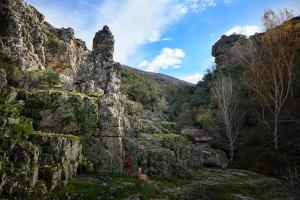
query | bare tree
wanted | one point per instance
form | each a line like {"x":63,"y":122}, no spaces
{"x":270,"y":58}
{"x":229,"y":110}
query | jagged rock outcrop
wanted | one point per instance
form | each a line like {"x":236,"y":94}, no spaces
{"x":34,"y":43}
{"x":31,"y":161}
{"x":103,"y":44}
{"x":166,"y":155}
{"x":163,"y":155}
{"x":100,"y":74}
{"x":37,"y":163}
{"x":222,"y":50}
{"x":62,"y":111}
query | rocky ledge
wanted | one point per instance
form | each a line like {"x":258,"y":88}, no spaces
{"x":36,"y":163}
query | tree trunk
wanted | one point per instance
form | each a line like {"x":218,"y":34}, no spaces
{"x":276,"y":133}
{"x":231,"y":152}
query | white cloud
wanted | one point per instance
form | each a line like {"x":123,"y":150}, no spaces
{"x":135,"y":23}
{"x":247,"y":30}
{"x":194,"y":78}
{"x":228,"y":1}
{"x":168,"y":58}
{"x":166,"y":39}
{"x":132,"y":22}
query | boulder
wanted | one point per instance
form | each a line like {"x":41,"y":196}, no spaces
{"x":215,"y":158}
{"x":163,"y":155}
{"x":37,"y":163}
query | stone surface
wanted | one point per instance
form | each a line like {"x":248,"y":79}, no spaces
{"x":3,"y":81}
{"x":38,"y":163}
{"x":214,"y":158}
{"x":170,"y":155}
{"x":103,"y":44}
{"x":222,"y":50}
{"x":61,"y":111}
{"x":34,"y":43}
{"x":98,"y":73}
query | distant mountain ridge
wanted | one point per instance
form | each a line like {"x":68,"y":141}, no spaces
{"x":161,"y":79}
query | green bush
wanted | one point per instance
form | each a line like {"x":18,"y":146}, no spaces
{"x":139,"y":88}
{"x":51,"y":77}
{"x":13,"y":73}
{"x":37,"y":78}
{"x":52,"y":38}
{"x":10,"y":110}
{"x":24,"y":129}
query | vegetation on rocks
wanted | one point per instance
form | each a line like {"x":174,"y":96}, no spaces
{"x":139,"y":88}
{"x":75,"y":124}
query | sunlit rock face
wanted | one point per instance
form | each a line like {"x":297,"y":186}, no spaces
{"x":35,"y":44}
{"x":100,"y":74}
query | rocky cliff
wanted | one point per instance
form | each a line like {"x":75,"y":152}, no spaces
{"x":34,"y":43}
{"x":222,"y":49}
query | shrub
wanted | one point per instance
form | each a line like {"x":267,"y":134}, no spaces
{"x":51,"y":77}
{"x":24,"y":129}
{"x":13,"y":73}
{"x":36,"y":78}
{"x":140,"y":89}
{"x":52,"y":38}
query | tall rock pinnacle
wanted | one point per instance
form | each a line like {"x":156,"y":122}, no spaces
{"x":103,"y":43}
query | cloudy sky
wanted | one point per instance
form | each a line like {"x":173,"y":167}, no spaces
{"x":173,"y":37}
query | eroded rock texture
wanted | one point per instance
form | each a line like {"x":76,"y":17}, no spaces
{"x":36,"y":164}
{"x":100,"y":74}
{"x":223,"y":50}
{"x":34,"y":43}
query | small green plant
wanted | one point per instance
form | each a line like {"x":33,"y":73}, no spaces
{"x":23,"y":129}
{"x":13,"y":73}
{"x":71,"y":136}
{"x":37,"y":78}
{"x":52,"y":37}
{"x":51,"y":77}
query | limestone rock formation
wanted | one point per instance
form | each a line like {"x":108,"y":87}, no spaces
{"x":222,"y":49}
{"x":168,"y":155}
{"x":61,"y":111}
{"x":100,"y":74}
{"x":215,"y":158}
{"x":103,"y":44}
{"x":36,"y":164}
{"x":34,"y":43}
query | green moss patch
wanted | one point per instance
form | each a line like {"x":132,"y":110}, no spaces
{"x":162,"y":136}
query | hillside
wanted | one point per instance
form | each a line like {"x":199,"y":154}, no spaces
{"x":161,"y":79}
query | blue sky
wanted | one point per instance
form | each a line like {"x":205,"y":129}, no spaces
{"x":173,"y":37}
